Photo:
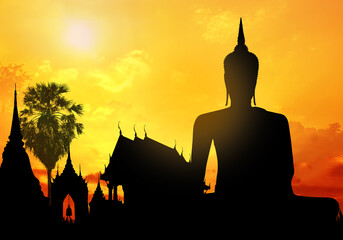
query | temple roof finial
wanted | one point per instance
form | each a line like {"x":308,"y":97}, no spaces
{"x":146,"y":135}
{"x":134,"y":129}
{"x":120,"y":132}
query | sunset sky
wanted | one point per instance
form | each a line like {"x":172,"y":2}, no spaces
{"x":160,"y":64}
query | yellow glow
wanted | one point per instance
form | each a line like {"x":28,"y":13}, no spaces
{"x":80,"y":35}
{"x":161,"y":65}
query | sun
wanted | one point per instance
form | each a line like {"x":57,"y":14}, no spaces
{"x":80,"y":35}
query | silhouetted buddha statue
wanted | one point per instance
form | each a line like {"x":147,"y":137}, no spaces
{"x":253,"y":146}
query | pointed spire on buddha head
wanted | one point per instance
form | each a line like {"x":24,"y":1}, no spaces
{"x":241,"y":39}
{"x":241,"y":69}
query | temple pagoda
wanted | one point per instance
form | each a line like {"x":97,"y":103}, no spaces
{"x":21,"y":195}
{"x":99,"y":207}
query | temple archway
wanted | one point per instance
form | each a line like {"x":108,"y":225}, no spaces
{"x":69,"y":186}
{"x":68,"y":209}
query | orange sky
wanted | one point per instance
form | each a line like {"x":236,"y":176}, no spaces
{"x":160,"y":64}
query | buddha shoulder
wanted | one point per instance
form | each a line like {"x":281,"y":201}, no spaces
{"x":272,"y":116}
{"x":208,"y":119}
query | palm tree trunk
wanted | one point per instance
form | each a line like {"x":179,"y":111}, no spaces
{"x":49,"y":184}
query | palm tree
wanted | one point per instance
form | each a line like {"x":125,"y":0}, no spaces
{"x":48,"y":123}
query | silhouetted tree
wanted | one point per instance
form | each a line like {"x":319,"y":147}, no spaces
{"x":49,"y":123}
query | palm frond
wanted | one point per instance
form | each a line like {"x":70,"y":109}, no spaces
{"x":77,"y":108}
{"x":49,"y":121}
{"x":79,"y":128}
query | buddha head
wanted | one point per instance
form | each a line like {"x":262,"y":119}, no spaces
{"x":240,"y":72}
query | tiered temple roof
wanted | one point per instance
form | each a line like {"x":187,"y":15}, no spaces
{"x":148,"y":171}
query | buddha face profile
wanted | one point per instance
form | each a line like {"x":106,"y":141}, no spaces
{"x":241,"y":69}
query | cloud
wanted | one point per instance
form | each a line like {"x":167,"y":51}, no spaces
{"x":318,"y":160}
{"x":219,"y":26}
{"x":45,"y":72}
{"x":121,"y":73}
{"x":92,"y":177}
{"x":319,"y":191}
{"x":335,"y":173}
{"x":98,"y":113}
{"x":222,"y":25}
{"x":103,"y":111}
{"x":65,"y":75}
{"x":45,"y":67}
{"x":315,"y":151}
{"x":39,"y":172}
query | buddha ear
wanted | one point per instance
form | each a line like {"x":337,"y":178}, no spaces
{"x":227,"y":88}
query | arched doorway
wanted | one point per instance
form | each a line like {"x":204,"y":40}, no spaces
{"x":68,"y":209}
{"x":120,"y":193}
{"x":71,"y":188}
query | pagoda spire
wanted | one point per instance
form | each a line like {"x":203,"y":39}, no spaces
{"x":21,"y":193}
{"x":69,"y":159}
{"x":68,"y":168}
{"x":15,"y":134}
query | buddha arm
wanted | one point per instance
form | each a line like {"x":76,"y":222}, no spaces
{"x":202,"y":140}
{"x":286,"y":155}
